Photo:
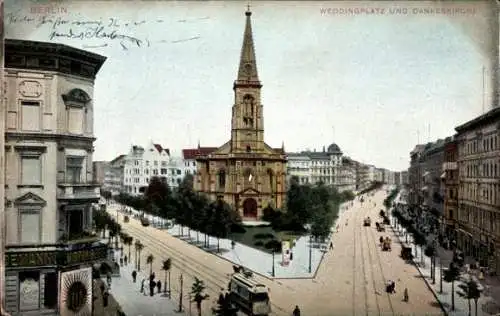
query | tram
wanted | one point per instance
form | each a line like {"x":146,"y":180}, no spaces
{"x":251,"y":297}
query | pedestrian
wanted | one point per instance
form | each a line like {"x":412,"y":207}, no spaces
{"x":105,"y":298}
{"x":109,"y":279}
{"x":121,"y":262}
{"x":125,"y":259}
{"x":296,"y":311}
{"x":152,"y":285}
{"x":158,"y":285}
{"x":405,"y":295}
{"x":142,"y":285}
{"x":331,"y":245}
{"x":232,"y":244}
{"x":134,"y":275}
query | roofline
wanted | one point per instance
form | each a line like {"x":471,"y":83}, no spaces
{"x":489,"y":117}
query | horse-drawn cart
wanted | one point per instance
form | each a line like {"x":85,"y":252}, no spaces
{"x":367,"y":221}
{"x":386,"y":245}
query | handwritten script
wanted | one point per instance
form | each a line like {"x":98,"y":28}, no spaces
{"x":105,"y":32}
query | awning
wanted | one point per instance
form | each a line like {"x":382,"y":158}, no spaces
{"x":443,"y":175}
{"x":425,"y":174}
{"x":424,"y":188}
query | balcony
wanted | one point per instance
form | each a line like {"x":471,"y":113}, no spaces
{"x":450,"y":165}
{"x":79,"y":238}
{"x":79,"y":191}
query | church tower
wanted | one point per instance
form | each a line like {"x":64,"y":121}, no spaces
{"x":247,"y":124}
{"x":245,"y":172}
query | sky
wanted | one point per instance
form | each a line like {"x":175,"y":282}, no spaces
{"x":374,"y":82}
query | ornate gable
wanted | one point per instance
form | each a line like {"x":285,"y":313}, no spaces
{"x":76,"y":97}
{"x":223,"y":150}
{"x":249,"y":191}
{"x":30,"y":199}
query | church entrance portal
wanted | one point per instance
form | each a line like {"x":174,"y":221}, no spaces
{"x":250,"y":208}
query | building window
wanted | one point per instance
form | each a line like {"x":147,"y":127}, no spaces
{"x":30,"y":225}
{"x":222,"y":179}
{"x":75,"y":120}
{"x":163,"y":163}
{"x":31,"y":170}
{"x":156,"y":163}
{"x":30,"y":116}
{"x":179,"y":172}
{"x":74,"y":169}
{"x":163,"y":171}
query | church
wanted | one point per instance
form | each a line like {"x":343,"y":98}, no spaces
{"x":245,"y":172}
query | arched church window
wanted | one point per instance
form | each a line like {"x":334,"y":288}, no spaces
{"x":248,"y":105}
{"x":270,"y":173}
{"x":222,"y":179}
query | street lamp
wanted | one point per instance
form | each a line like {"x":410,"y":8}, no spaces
{"x":310,"y":253}
{"x":272,"y":270}
{"x":181,"y":279}
{"x":440,"y":276}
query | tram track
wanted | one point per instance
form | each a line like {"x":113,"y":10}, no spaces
{"x":388,"y":295}
{"x":359,"y":247}
{"x":188,"y":265}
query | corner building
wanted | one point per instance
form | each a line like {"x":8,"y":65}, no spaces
{"x":245,"y":172}
{"x":49,"y":184}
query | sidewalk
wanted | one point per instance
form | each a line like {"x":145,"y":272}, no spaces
{"x":461,"y":304}
{"x":135,"y":303}
{"x":99,"y":309}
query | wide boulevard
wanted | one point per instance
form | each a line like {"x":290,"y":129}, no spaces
{"x":350,"y":281}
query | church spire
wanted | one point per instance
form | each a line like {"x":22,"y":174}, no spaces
{"x":247,"y":72}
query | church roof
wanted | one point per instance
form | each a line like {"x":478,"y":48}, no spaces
{"x":200,"y":151}
{"x":247,"y":72}
{"x":160,"y":149}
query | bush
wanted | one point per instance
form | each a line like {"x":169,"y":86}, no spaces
{"x":263,"y":236}
{"x":273,"y":245}
{"x":238,"y":229}
{"x":259,"y":243}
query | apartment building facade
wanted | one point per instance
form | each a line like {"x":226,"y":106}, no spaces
{"x":114,"y":175}
{"x":49,"y":184}
{"x":478,"y":217}
{"x":450,"y":168}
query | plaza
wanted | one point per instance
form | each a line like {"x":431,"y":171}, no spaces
{"x":350,"y":280}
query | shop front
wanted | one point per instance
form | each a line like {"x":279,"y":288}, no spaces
{"x":50,"y":280}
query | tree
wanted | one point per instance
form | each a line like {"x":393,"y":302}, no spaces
{"x":128,"y":241}
{"x":470,"y":291}
{"x":430,"y":251}
{"x":167,"y":264}
{"x":221,"y":220}
{"x":451,"y":275}
{"x":206,"y":216}
{"x":297,"y":202}
{"x":138,"y":248}
{"x":197,"y":293}
{"x":420,"y":241}
{"x":149,"y":260}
